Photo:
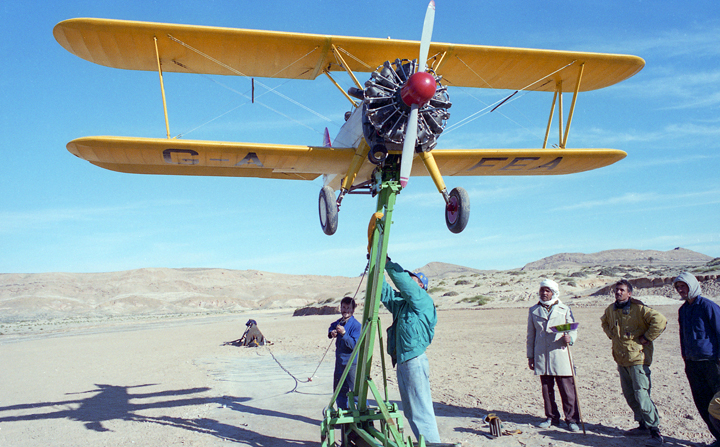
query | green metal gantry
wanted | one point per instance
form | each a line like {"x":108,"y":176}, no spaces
{"x":360,"y":419}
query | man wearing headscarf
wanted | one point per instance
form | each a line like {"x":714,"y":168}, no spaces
{"x":632,"y":326}
{"x":548,"y":356}
{"x":699,"y":320}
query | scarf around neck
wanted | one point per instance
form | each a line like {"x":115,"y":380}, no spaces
{"x":547,"y":305}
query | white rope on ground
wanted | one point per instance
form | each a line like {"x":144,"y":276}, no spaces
{"x":298,"y":381}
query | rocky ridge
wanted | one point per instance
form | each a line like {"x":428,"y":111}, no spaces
{"x":583,"y":278}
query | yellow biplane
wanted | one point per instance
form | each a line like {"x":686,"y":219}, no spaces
{"x":396,"y":116}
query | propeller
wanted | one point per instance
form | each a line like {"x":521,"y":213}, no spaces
{"x":417,"y":91}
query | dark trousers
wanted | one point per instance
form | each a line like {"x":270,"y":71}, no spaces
{"x":704,"y":379}
{"x":715,"y":423}
{"x":348,"y":384}
{"x":566,"y":387}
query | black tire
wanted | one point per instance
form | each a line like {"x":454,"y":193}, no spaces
{"x":327,"y":207}
{"x":457,"y":210}
{"x":377,"y":154}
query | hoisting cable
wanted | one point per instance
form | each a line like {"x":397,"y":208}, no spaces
{"x":309,"y":379}
{"x":298,"y":381}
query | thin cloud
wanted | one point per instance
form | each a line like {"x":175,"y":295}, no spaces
{"x":633,"y":198}
{"x":698,"y":43}
{"x":28,"y":220}
{"x":675,"y":161}
{"x":680,"y":88}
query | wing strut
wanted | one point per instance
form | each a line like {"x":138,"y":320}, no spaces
{"x":437,"y":61}
{"x":552,"y":112}
{"x":572,"y":106}
{"x":345,"y":66}
{"x":361,"y":153}
{"x":557,"y":99}
{"x":327,"y":73}
{"x":162,"y":88}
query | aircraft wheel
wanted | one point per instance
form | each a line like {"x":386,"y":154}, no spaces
{"x":328,"y":210}
{"x":457,"y":210}
{"x":378,"y":154}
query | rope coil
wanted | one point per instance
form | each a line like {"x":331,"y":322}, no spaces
{"x":309,"y":379}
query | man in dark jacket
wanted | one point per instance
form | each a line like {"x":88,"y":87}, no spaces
{"x":412,"y":331}
{"x":699,"y":320}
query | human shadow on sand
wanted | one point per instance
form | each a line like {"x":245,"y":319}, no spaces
{"x":113,"y":402}
{"x":596,"y":435}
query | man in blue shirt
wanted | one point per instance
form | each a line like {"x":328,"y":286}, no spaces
{"x":699,"y":320}
{"x":346,"y":332}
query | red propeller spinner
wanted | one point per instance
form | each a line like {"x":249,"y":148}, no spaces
{"x":419,"y":89}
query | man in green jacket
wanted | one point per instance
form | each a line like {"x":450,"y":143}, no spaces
{"x":412,"y":331}
{"x":632,"y":327}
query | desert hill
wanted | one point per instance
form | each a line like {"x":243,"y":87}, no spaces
{"x":163,"y":291}
{"x":160,"y":291}
{"x":677,"y":256}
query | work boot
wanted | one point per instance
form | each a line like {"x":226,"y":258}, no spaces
{"x":640,"y":430}
{"x":656,"y":438}
{"x":547,"y":423}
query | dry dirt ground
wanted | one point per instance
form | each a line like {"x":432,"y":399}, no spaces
{"x":169,"y":381}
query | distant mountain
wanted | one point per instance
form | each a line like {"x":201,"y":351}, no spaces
{"x":164,"y":291}
{"x":161,"y":290}
{"x":438,"y":270}
{"x":620,"y":257}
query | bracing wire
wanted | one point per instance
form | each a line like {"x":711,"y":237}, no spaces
{"x":268,"y":88}
{"x":240,"y":105}
{"x":498,"y":103}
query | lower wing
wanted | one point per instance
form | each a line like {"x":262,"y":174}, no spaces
{"x":281,"y":161}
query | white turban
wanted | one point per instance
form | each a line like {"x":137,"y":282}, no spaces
{"x":552,"y":285}
{"x":688,"y":278}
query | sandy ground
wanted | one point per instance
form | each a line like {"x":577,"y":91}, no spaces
{"x":171,"y":382}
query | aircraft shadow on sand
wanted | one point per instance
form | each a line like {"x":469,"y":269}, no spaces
{"x":113,"y":402}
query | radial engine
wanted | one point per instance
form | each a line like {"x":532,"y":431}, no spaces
{"x":386,"y":105}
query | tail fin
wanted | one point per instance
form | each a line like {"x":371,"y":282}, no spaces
{"x":326,"y":139}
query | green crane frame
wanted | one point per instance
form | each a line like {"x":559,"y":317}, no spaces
{"x":358,"y":420}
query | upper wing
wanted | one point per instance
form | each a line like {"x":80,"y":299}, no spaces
{"x":278,"y":161}
{"x":211,"y":158}
{"x":229,"y":51}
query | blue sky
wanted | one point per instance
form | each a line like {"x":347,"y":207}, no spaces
{"x":60,"y":213}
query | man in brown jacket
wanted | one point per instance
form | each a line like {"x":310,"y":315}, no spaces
{"x":632,"y":327}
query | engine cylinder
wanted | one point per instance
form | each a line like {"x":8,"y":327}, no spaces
{"x":385,"y":110}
